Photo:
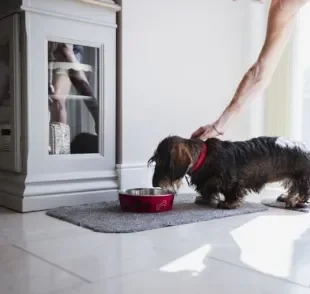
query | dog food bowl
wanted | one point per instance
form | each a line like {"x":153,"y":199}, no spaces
{"x":143,"y":200}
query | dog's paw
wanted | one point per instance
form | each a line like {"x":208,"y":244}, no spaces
{"x":294,"y":203}
{"x":301,"y":205}
{"x":228,"y":205}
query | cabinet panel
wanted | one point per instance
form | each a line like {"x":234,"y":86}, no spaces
{"x":71,"y":95}
{"x":10,"y":92}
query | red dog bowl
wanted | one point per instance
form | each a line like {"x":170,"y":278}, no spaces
{"x":146,"y":200}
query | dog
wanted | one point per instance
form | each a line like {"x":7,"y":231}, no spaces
{"x":234,"y":169}
{"x":84,"y":143}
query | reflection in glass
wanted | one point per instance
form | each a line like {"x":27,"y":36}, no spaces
{"x":5,"y":93}
{"x":73,"y":98}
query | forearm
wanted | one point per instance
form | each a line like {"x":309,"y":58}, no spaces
{"x":252,"y":84}
{"x":281,"y":19}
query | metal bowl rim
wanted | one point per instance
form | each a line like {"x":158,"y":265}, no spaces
{"x":165,"y":192}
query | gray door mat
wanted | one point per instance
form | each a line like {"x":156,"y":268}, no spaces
{"x":276,"y":204}
{"x":107,"y":217}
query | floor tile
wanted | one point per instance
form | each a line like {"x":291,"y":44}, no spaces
{"x":21,"y":272}
{"x":98,"y":256}
{"x":264,"y":252}
{"x":271,"y":244}
{"x":16,"y":227}
{"x":211,"y":276}
{"x":267,"y":243}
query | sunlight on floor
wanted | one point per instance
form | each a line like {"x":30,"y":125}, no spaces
{"x":194,"y":262}
{"x":267,"y":243}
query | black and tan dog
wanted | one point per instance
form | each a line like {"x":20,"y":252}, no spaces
{"x":234,"y":168}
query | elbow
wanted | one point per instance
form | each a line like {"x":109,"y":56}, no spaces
{"x":258,"y":75}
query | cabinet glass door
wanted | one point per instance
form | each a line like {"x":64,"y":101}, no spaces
{"x":73,"y":103}
{"x":5,"y":61}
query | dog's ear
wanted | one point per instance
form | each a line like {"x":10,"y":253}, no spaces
{"x":151,"y":160}
{"x":180,"y":159}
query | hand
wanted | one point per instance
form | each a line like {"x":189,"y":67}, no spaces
{"x":206,"y":132}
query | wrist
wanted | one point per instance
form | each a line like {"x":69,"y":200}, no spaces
{"x":218,"y":125}
{"x":217,"y":129}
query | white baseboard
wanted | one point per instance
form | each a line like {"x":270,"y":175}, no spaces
{"x":36,"y":192}
{"x":140,"y":176}
{"x":36,"y":203}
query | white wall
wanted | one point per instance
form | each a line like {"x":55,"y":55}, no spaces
{"x":302,"y":71}
{"x":181,"y":62}
{"x":288,"y":104}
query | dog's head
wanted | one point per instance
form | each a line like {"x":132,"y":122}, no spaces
{"x":172,"y":160}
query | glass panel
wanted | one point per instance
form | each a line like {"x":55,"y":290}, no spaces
{"x":5,"y":93}
{"x":73,"y":98}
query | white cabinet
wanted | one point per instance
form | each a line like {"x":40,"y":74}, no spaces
{"x":10,"y":94}
{"x":62,"y":107}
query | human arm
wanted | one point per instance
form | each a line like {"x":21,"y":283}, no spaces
{"x":282,"y":14}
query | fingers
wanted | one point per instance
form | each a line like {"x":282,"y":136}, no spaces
{"x":205,"y":135}
{"x":202,"y":133}
{"x":198,"y":133}
{"x":206,"y":132}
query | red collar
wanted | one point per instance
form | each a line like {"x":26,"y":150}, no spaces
{"x":201,"y":158}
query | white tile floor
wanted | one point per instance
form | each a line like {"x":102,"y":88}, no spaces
{"x":266,"y":252}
